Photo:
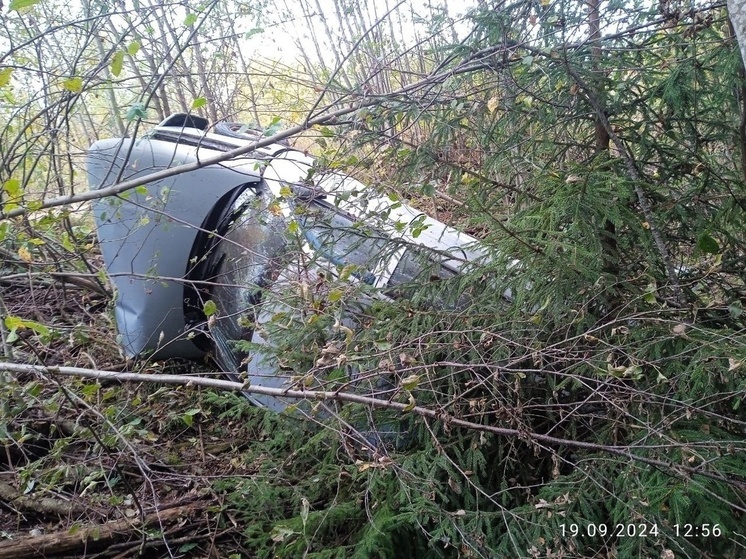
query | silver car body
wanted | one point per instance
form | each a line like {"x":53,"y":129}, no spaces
{"x":160,"y":241}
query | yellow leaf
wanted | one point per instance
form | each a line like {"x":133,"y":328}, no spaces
{"x":24,"y":254}
{"x":12,"y":188}
{"x":117,"y":62}
{"x":5,"y":74}
{"x":410,"y":382}
{"x":74,"y":85}
{"x":19,"y":5}
{"x":410,"y":406}
{"x":349,"y":334}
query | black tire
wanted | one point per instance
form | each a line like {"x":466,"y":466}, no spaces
{"x":242,"y":131}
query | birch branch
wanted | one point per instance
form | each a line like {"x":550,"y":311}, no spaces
{"x":529,"y":437}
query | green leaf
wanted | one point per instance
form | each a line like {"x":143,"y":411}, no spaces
{"x":67,"y":243}
{"x":280,"y":533}
{"x":12,"y":188}
{"x":117,"y":62}
{"x":133,"y":48}
{"x":20,"y":4}
{"x":138,"y":110}
{"x":33,"y":388}
{"x":251,"y":32}
{"x":410,"y":382}
{"x":274,"y":127}
{"x":190,"y":20}
{"x":74,"y":84}
{"x":5,"y":74}
{"x":14,"y":323}
{"x":707,"y":244}
{"x":199,"y":102}
{"x":335,"y":295}
{"x":209,"y":308}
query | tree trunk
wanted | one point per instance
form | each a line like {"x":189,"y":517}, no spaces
{"x":737,"y":13}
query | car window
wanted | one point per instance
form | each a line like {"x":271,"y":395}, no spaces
{"x":417,"y":270}
{"x":340,"y":239}
{"x":417,"y":267}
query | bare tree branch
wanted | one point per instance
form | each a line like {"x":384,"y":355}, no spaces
{"x":625,"y":451}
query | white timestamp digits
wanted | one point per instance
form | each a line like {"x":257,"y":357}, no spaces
{"x":620,"y":530}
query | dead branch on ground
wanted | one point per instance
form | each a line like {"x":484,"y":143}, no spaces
{"x":96,"y":535}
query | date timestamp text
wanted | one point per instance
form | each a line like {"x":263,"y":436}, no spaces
{"x":629,"y":530}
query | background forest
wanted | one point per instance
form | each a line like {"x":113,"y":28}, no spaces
{"x":600,"y":413}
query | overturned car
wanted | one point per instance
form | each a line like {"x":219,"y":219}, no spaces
{"x":201,"y":260}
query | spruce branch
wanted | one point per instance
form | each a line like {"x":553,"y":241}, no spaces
{"x":637,"y":180}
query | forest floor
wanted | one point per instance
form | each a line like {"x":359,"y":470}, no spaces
{"x":90,"y":469}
